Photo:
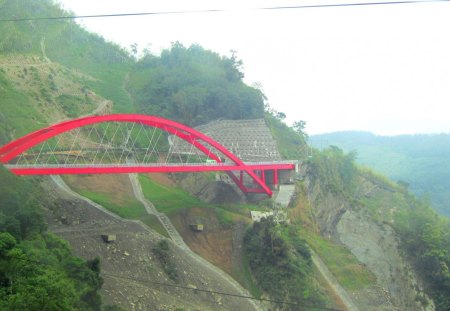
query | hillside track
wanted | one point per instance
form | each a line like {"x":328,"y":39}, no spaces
{"x":333,"y":283}
{"x":184,"y":254}
{"x":178,"y":240}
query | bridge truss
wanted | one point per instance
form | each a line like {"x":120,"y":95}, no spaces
{"x":131,"y":143}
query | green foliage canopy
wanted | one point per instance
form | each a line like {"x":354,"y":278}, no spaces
{"x":162,"y":252}
{"x":281,"y":263}
{"x":193,"y":86}
{"x":37,"y":269}
{"x":334,"y":169}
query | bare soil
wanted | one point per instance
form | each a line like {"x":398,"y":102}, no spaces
{"x":133,"y":277}
{"x":163,"y":179}
{"x":214,"y":243}
{"x":116,"y":187}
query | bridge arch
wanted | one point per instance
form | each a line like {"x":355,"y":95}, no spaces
{"x":188,"y":134}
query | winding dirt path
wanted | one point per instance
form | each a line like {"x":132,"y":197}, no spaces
{"x":178,"y":240}
{"x":332,"y":282}
{"x":152,"y":210}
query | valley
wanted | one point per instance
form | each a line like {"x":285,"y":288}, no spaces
{"x":348,"y":239}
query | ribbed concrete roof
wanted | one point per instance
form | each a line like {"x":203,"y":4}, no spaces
{"x":250,"y":140}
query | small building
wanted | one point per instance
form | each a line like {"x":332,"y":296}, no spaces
{"x":196,"y":227}
{"x":108,"y":238}
{"x":257,"y":216}
{"x":278,"y":216}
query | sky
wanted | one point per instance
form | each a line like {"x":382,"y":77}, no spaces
{"x":384,"y":68}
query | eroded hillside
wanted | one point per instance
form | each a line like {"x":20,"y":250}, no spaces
{"x":134,"y":277}
{"x":383,"y":226}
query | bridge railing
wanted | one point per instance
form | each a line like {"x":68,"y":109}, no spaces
{"x":220,"y":164}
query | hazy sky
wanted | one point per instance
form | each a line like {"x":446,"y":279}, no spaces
{"x":384,"y":69}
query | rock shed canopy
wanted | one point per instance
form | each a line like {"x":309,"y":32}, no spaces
{"x":250,"y":140}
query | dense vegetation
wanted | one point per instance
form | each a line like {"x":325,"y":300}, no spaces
{"x":37,"y":269}
{"x":281,"y":264}
{"x":291,"y":141}
{"x":422,"y":161}
{"x":162,"y":253}
{"x":193,"y":86}
{"x":425,"y":236}
{"x":335,"y":169}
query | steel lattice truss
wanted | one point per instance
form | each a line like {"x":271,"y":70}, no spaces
{"x":129,"y":143}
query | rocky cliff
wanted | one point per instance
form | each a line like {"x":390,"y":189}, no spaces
{"x":372,"y":239}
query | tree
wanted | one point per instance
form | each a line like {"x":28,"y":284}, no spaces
{"x":37,"y":269}
{"x":280,"y":262}
{"x":281,"y":115}
{"x":299,"y":128}
{"x":134,"y":49}
{"x":194,"y":86}
{"x":7,"y":242}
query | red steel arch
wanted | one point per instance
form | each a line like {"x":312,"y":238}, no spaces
{"x":190,"y":135}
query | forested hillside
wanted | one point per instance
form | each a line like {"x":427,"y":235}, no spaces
{"x":193,"y":86}
{"x":281,"y":264}
{"x":51,"y":70}
{"x":422,"y":161}
{"x":37,"y":269}
{"x":187,"y":84}
{"x":54,"y":69}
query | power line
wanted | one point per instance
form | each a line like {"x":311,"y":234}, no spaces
{"x":29,"y":260}
{"x":220,"y":293}
{"x":360,"y":4}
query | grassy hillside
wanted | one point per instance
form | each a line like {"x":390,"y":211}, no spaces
{"x":36,"y":93}
{"x":16,"y":120}
{"x":65,"y":42}
{"x":422,"y":161}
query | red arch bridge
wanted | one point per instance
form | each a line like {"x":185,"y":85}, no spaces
{"x":133,"y":143}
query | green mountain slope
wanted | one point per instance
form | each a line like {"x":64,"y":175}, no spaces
{"x":36,"y":93}
{"x":65,"y":42}
{"x":193,"y":86}
{"x":56,"y":69}
{"x":423,"y":161}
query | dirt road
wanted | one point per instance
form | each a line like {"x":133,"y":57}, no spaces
{"x":178,"y":240}
{"x":333,"y":283}
{"x":188,"y":259}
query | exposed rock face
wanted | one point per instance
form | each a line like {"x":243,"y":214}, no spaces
{"x":375,"y":244}
{"x":211,"y":191}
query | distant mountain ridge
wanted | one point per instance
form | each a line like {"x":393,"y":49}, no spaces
{"x":421,"y":160}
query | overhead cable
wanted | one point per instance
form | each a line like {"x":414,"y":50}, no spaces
{"x":220,"y":293}
{"x":294,"y":7}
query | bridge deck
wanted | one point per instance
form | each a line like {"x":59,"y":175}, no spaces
{"x":49,"y":169}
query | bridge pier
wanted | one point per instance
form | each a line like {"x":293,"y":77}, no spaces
{"x":275,"y":179}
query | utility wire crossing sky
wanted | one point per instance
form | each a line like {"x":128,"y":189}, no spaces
{"x":377,"y":66}
{"x":219,"y":10}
